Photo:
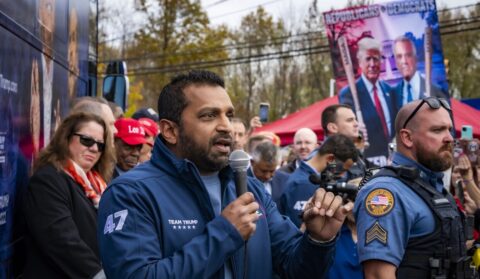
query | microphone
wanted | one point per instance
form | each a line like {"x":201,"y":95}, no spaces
{"x":239,"y":161}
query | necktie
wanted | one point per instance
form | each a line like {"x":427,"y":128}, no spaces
{"x":378,"y":107}
{"x":409,"y":93}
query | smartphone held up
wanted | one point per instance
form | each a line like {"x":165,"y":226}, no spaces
{"x":263,"y":112}
{"x":467,"y":145}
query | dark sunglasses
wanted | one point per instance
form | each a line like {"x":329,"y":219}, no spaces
{"x":89,"y":142}
{"x":433,"y":103}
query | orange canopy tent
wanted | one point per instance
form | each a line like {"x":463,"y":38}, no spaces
{"x":309,"y":117}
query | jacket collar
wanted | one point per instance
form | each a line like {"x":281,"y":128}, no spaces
{"x":164,"y":159}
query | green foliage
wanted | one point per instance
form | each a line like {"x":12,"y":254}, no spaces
{"x":135,"y":96}
{"x":461,"y":44}
{"x":258,"y":34}
{"x":170,"y":42}
{"x":263,"y":60}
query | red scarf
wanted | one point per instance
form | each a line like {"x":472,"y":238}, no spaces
{"x":92,"y":183}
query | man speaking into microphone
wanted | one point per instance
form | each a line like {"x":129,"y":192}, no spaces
{"x":179,"y":216}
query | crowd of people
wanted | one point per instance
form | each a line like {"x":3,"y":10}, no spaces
{"x":153,"y":195}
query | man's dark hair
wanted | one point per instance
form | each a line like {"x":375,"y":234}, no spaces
{"x":340,"y":146}
{"x":267,"y":152}
{"x":172,"y":101}
{"x":329,"y":115}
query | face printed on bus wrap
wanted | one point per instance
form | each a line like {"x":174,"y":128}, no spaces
{"x":46,"y":18}
{"x":205,"y":132}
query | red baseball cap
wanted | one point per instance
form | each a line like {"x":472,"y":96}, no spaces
{"x":151,"y":128}
{"x":130,"y":131}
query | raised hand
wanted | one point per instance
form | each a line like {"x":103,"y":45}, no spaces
{"x":324,"y":214}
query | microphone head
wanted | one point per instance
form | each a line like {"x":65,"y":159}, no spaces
{"x":239,"y":160}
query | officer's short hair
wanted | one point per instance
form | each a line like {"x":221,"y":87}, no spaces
{"x":340,"y":146}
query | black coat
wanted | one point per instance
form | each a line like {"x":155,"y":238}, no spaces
{"x":61,"y":228}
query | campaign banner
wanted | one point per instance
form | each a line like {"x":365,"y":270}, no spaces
{"x":385,"y":55}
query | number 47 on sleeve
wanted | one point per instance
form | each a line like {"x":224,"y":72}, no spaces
{"x":110,"y":224}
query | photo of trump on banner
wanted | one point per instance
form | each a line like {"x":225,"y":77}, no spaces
{"x":384,"y":56}
{"x":374,"y":98}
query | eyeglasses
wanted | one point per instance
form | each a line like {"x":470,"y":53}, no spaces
{"x":433,"y":103}
{"x":89,"y":142}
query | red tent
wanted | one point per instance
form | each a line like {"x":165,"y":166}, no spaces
{"x":310,"y":117}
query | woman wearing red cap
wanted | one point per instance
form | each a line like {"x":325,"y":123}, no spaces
{"x":61,"y":201}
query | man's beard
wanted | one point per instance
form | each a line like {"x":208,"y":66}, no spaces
{"x":435,"y":161}
{"x":203,"y":160}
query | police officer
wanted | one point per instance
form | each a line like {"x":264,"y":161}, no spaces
{"x":408,"y":225}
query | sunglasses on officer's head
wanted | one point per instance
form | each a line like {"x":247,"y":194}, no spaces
{"x":89,"y":142}
{"x":433,"y":103}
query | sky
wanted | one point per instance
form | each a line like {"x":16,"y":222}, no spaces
{"x":230,"y":12}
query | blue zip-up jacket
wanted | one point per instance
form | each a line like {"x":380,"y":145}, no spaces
{"x":297,"y":192}
{"x":157,"y":221}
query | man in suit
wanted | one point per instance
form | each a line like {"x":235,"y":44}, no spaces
{"x":412,"y":86}
{"x":374,"y":100}
{"x":265,"y":160}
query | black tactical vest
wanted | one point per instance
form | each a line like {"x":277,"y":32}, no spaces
{"x":442,"y":253}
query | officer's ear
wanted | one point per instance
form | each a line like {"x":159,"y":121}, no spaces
{"x":169,"y":130}
{"x":406,"y":138}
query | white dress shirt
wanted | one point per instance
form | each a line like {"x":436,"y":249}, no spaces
{"x":415,"y":84}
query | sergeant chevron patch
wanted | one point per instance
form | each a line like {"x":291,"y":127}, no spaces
{"x":376,"y":232}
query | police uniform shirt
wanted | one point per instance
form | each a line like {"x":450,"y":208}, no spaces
{"x":388,"y":213}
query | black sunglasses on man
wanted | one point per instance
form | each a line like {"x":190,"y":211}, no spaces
{"x":433,"y":103}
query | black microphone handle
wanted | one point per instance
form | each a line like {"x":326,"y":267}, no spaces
{"x":240,"y":182}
